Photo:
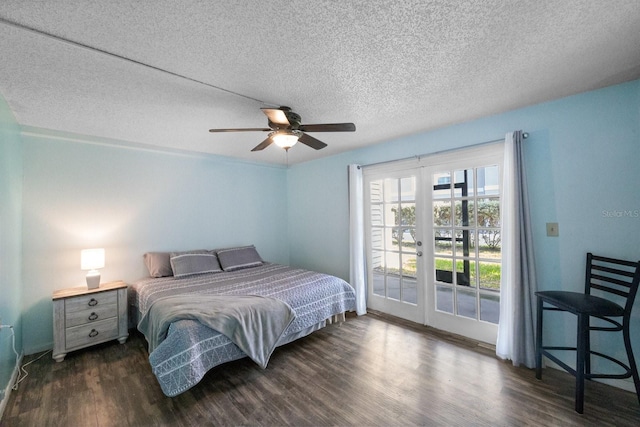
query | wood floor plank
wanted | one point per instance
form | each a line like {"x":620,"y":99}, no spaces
{"x":372,"y":370}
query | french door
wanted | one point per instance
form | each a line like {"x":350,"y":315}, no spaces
{"x":433,"y":241}
{"x":393,"y":244}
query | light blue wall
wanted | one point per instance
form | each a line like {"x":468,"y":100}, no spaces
{"x":80,"y":195}
{"x":10,"y":239}
{"x":583,"y":159}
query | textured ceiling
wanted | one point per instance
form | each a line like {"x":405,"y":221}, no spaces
{"x":392,"y":67}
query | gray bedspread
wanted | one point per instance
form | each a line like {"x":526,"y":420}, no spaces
{"x":253,"y":323}
{"x":191,"y":348}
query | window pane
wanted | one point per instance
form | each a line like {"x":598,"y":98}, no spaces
{"x":442,"y":185}
{"x":408,"y":214}
{"x":464,"y":243}
{"x":464,"y":213}
{"x":444,"y":270}
{"x":393,"y":286}
{"x":391,"y":216}
{"x":391,"y":239}
{"x":442,"y":242}
{"x":391,"y":190}
{"x":490,"y":243}
{"x":489,"y":212}
{"x":377,"y":261}
{"x":409,"y":265}
{"x":378,"y":282}
{"x":378,"y":266}
{"x":488,"y":180}
{"x":408,"y":189}
{"x":408,"y":218}
{"x":466,"y":272}
{"x":463,"y":183}
{"x":473,"y":275}
{"x":489,"y":275}
{"x":409,"y":290}
{"x":442,"y":213}
{"x":466,"y":303}
{"x":444,"y":299}
{"x":490,"y":307}
{"x":408,"y":239}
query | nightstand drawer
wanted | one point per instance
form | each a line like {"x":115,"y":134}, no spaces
{"x":92,"y":315}
{"x":90,"y":302}
{"x":93,"y":333}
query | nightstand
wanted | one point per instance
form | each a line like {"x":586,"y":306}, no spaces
{"x":84,"y":317}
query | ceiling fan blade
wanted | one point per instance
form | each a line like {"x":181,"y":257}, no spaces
{"x":264,"y":144}
{"x":312,"y":142}
{"x":241,"y":130}
{"x":329,"y":127}
{"x":276,"y":115}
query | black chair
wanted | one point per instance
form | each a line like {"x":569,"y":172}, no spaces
{"x":607,"y":276}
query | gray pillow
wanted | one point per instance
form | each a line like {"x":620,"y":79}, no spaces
{"x":236,"y":258}
{"x":158,"y":264}
{"x":194,"y":262}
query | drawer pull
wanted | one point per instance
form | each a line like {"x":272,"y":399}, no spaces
{"x":93,"y":302}
{"x":93,"y":316}
{"x":93,"y":333}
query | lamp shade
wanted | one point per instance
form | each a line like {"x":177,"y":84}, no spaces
{"x":91,"y":259}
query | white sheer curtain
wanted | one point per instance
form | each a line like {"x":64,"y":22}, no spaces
{"x":356,"y":238}
{"x":516,"y":340}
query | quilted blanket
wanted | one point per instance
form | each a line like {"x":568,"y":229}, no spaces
{"x":191,"y":348}
{"x":253,"y":323}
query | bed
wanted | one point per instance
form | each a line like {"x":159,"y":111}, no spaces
{"x":184,"y":344}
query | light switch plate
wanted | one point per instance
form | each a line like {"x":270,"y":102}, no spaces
{"x":552,"y":229}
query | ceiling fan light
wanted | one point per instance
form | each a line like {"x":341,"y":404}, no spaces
{"x":286,"y":139}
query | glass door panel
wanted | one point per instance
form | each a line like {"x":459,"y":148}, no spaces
{"x":465,"y":256}
{"x":394,"y":264}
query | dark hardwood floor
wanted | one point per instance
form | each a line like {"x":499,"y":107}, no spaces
{"x":372,"y":370}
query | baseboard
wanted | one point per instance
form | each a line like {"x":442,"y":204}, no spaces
{"x":8,"y":389}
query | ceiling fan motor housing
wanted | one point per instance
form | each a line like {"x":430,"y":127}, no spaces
{"x":294,"y":119}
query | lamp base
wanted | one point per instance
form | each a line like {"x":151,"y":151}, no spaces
{"x":93,"y":279}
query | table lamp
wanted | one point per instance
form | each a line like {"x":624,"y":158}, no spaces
{"x":92,"y":260}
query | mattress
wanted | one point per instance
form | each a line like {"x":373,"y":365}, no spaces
{"x":191,"y":348}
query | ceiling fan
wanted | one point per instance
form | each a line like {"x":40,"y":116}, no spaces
{"x":286,"y":130}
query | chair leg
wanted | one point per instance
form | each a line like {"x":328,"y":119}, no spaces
{"x":587,"y":355}
{"x":632,"y":360}
{"x":583,"y":331}
{"x":539,"y":340}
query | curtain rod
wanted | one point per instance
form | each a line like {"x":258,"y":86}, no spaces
{"x":525,"y":135}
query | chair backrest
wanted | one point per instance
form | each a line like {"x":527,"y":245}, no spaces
{"x":615,"y":276}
